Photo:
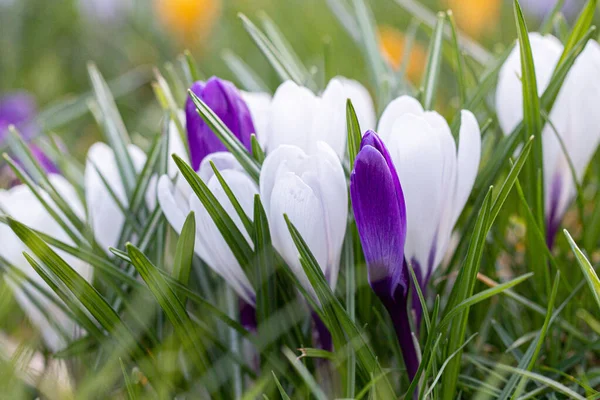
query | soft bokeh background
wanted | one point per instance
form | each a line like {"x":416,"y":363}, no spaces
{"x":46,"y":44}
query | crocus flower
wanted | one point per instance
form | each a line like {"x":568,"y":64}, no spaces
{"x":105,"y":216}
{"x":436,"y":178}
{"x":380,"y":214}
{"x":225,"y":100}
{"x":21,"y":204}
{"x":300,"y":118}
{"x":177,"y":200}
{"x":573,"y":118}
{"x":311,"y":190}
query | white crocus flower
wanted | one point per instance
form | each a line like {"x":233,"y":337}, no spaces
{"x":311,"y":190}
{"x":300,"y":118}
{"x":22,"y":205}
{"x":178,"y":200}
{"x":259,"y":104}
{"x":574,"y":117}
{"x":436,"y":178}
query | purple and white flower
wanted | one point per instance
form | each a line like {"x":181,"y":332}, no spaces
{"x":574,"y":118}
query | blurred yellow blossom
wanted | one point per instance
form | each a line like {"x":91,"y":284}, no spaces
{"x":476,"y":17}
{"x":188,"y":20}
{"x":392,"y":43}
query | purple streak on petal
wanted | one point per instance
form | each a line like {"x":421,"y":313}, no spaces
{"x":380,"y":220}
{"x":247,"y":315}
{"x":17,"y":109}
{"x":554,"y":218}
{"x":322,"y":333}
{"x":225,"y":100}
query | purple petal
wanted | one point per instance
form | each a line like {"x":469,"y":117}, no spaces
{"x":381,"y":222}
{"x":17,"y":109}
{"x":225,"y":100}
{"x":553,"y":216}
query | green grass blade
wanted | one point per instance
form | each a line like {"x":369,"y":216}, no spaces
{"x":184,"y":251}
{"x":434,"y":62}
{"x":586,"y":268}
{"x":231,"y":142}
{"x":354,"y":133}
{"x":583,"y":24}
{"x":248,"y":78}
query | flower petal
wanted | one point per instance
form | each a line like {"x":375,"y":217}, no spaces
{"x":259,"y":104}
{"x":380,"y":222}
{"x":362,"y":102}
{"x":282,"y":156}
{"x":329,"y":121}
{"x":398,"y":107}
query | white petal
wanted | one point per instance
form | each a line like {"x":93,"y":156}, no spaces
{"x":290,"y":117}
{"x":417,"y":154}
{"x":469,"y":155}
{"x":259,"y":104}
{"x":362,"y":102}
{"x":223,"y":160}
{"x":546,"y":51}
{"x":293,"y":197}
{"x":329,"y":122}
{"x":286,"y":155}
{"x":174,"y":205}
{"x":176,"y":146}
{"x":398,"y":107}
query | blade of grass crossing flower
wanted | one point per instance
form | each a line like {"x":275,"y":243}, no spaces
{"x":35,"y":170}
{"x":236,"y":204}
{"x":367,"y":360}
{"x":584,"y":21}
{"x":434,"y":61}
{"x":248,"y":78}
{"x":184,"y":252}
{"x":462,"y":289}
{"x":230,"y":232}
{"x":353,"y":131}
{"x":191,"y":342}
{"x":230,"y":141}
{"x":113,"y":128}
{"x":533,"y":126}
{"x":257,"y":152}
{"x":264,"y":266}
{"x":460,"y":74}
{"x":26,"y":180}
{"x":586,"y":268}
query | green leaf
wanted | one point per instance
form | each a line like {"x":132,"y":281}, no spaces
{"x":586,"y":268}
{"x":113,"y":128}
{"x":192,"y":67}
{"x":248,"y":78}
{"x":282,"y":392}
{"x":336,"y":317}
{"x":228,"y":229}
{"x":304,"y":374}
{"x":257,"y":152}
{"x":583,"y":24}
{"x":234,"y":201}
{"x":462,"y":289}
{"x":184,"y":252}
{"x":231,"y":142}
{"x":434,"y":61}
{"x":354,"y":133}
{"x":460,"y":73}
{"x":191,"y":341}
{"x":131,"y":393}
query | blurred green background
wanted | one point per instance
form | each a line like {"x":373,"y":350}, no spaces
{"x":46,"y":44}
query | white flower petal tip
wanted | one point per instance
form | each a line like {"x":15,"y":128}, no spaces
{"x":436,"y":178}
{"x":300,"y":118}
{"x":311,"y":190}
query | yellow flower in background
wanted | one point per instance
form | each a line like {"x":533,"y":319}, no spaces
{"x":476,"y":17}
{"x":188,"y":20}
{"x":392,"y":43}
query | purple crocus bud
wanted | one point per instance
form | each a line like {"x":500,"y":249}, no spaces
{"x":17,"y":109}
{"x":380,"y":213}
{"x":225,"y":100}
